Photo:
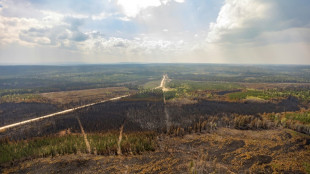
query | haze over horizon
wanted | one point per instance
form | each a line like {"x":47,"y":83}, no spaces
{"x":154,"y":31}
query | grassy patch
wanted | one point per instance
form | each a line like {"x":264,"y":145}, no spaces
{"x":146,"y":95}
{"x":298,"y":121}
{"x":303,"y":117}
{"x":183,"y":88}
{"x":302,"y":94}
{"x":132,"y":143}
{"x":257,"y":99}
{"x":170,"y":94}
{"x":307,"y":167}
{"x":103,"y":144}
{"x":247,"y":94}
{"x":41,"y":147}
{"x":197,"y":85}
{"x":151,"y":84}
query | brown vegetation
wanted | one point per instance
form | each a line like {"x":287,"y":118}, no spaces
{"x":86,"y":95}
{"x":222,"y":151}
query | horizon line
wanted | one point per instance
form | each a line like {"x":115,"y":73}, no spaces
{"x":149,"y":63}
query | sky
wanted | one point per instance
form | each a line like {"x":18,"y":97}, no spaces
{"x":154,"y":31}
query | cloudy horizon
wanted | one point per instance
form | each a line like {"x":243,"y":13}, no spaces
{"x":154,"y":31}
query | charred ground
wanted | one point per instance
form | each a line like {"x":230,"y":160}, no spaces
{"x":209,"y":118}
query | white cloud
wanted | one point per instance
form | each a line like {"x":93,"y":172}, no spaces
{"x":179,"y":1}
{"x":61,"y":30}
{"x":124,"y":18}
{"x":260,"y":31}
{"x":260,"y":22}
{"x":131,"y":8}
{"x":237,"y":14}
{"x":11,"y":27}
{"x":143,"y":45}
{"x":53,"y":29}
{"x":244,"y":31}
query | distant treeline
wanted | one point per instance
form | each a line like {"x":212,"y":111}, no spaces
{"x":59,"y":78}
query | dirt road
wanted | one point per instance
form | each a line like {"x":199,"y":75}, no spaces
{"x":162,"y":86}
{"x":162,"y":83}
